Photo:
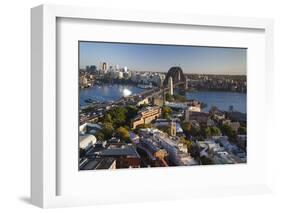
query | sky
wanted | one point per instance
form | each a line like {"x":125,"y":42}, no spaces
{"x":160,"y":58}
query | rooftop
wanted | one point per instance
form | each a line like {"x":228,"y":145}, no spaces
{"x":148,"y":108}
{"x":128,"y":151}
{"x":86,"y":139}
{"x":98,"y":163}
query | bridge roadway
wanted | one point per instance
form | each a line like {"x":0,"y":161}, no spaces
{"x":150,"y":93}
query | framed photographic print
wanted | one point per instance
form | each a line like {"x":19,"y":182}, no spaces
{"x":129,"y":102}
{"x":145,"y":112}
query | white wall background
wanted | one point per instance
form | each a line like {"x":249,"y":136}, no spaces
{"x":15,"y":103}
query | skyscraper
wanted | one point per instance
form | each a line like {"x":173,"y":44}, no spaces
{"x":104,"y":66}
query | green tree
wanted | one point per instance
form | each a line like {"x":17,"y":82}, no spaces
{"x":100,"y":136}
{"x":215,"y":131}
{"x":190,"y":130}
{"x":118,"y":116}
{"x":211,"y":131}
{"x":207,"y":132}
{"x":179,"y":98}
{"x":166,"y":112}
{"x":186,"y":126}
{"x":143,"y":105}
{"x":107,"y":118}
{"x":107,"y":130}
{"x":242,"y":130}
{"x":132,"y":112}
{"x":229,"y":131}
{"x":123,"y":133}
{"x":195,"y":131}
{"x":186,"y":143}
{"x":169,"y":97}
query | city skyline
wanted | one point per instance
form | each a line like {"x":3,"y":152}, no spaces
{"x":159,"y":58}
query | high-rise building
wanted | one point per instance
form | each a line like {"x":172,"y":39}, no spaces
{"x":170,"y":86}
{"x":104,"y":66}
{"x":125,"y":69}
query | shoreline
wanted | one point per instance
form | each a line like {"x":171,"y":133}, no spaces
{"x":136,"y":85}
{"x":93,"y":92}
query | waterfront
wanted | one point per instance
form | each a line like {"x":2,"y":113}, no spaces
{"x":212,"y":98}
{"x":107,"y":92}
{"x":220,"y":99}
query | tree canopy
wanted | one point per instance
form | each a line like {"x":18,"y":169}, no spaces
{"x":107,"y":130}
{"x":123,"y":133}
{"x":242,"y":130}
{"x":179,"y":98}
{"x":166,"y":112}
{"x":176,"y":97}
{"x":100,"y":136}
{"x":169,"y":97}
{"x":211,"y":131}
{"x":190,"y":129}
{"x":229,"y":131}
{"x":120,"y":116}
{"x":186,"y":143}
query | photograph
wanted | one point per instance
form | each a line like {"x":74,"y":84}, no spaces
{"x":160,"y":105}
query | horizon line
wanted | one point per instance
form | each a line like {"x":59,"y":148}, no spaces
{"x":164,"y":72}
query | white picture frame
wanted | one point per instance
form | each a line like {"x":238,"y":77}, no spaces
{"x":44,"y":154}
